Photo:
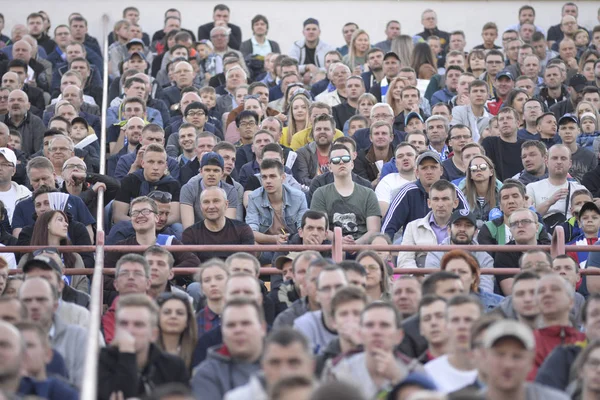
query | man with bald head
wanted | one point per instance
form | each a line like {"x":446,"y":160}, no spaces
{"x":216,"y":227}
{"x":184,"y":77}
{"x":11,"y":358}
{"x":36,"y":74}
{"x":41,"y":301}
{"x":19,"y":118}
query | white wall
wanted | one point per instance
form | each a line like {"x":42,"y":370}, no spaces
{"x":286,"y":16}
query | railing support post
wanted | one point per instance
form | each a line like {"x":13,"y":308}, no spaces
{"x":337,"y":253}
{"x":557,"y":247}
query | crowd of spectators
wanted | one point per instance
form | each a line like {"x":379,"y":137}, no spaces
{"x":217,"y":139}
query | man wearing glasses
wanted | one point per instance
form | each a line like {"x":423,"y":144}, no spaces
{"x":524,"y":228}
{"x":352,"y":207}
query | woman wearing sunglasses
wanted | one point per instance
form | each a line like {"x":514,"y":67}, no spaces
{"x":177,"y":330}
{"x":481,"y":187}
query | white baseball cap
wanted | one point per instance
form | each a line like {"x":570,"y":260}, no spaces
{"x":9,"y":155}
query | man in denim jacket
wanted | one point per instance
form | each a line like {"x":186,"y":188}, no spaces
{"x":274,"y":210}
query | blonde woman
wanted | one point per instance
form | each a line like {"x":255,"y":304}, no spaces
{"x":403,"y":47}
{"x":297,"y":117}
{"x":357,"y":51}
{"x":393,"y":95}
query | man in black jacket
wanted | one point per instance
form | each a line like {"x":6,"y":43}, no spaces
{"x":575,"y":89}
{"x":221,"y":18}
{"x":134,"y":365}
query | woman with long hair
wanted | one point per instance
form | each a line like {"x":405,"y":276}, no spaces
{"x":516,"y":99}
{"x":481,"y":188}
{"x":423,"y":61}
{"x":360,"y":43}
{"x":393,"y":95}
{"x":476,"y":62}
{"x":51,"y":230}
{"x":378,"y":282}
{"x":177,"y":330}
{"x":403,"y":47}
{"x":298,"y":118}
{"x":467,"y":268}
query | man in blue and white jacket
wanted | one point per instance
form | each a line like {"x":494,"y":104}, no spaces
{"x":411,"y":201}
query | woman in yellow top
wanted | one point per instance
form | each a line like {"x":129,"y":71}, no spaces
{"x":304,"y":137}
{"x":297,"y":118}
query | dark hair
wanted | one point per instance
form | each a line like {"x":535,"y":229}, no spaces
{"x":325,"y":118}
{"x":443,"y":184}
{"x":258,"y":18}
{"x":350,"y":265}
{"x":221,"y":7}
{"x":461,"y":299}
{"x":377,"y":305}
{"x":132,"y":80}
{"x":346,"y":139}
{"x":586,"y":305}
{"x":316,"y":215}
{"x":269,"y":163}
{"x":511,"y":184}
{"x":244,"y":115}
{"x":273,"y":147}
{"x":454,"y":68}
{"x":525,"y":8}
{"x":346,"y":295}
{"x":337,"y":146}
{"x":430,"y":299}
{"x":494,"y":52}
{"x":287,"y":336}
{"x":169,"y":390}
{"x":238,"y":302}
{"x":39,"y":236}
{"x":429,"y":284}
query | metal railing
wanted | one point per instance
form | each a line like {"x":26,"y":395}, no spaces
{"x":90,"y":384}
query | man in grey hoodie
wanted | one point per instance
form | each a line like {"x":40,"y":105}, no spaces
{"x":231,"y":364}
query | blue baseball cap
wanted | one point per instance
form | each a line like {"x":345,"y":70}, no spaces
{"x":505,"y":74}
{"x":412,"y":115}
{"x":212,"y":158}
{"x":413,"y":379}
{"x":568,"y":118}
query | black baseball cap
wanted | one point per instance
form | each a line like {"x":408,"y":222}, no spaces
{"x":578,"y":82}
{"x":463,"y":214}
{"x":506,"y":74}
{"x":391,"y":54}
{"x":589,"y":206}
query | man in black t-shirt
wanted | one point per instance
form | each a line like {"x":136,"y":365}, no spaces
{"x":505,"y":150}
{"x":152,"y":176}
{"x":216,"y":228}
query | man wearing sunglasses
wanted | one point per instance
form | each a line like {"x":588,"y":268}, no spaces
{"x":352,"y":207}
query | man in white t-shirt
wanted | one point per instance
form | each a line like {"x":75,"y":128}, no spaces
{"x":405,"y":155}
{"x":456,"y":368}
{"x":10,"y":192}
{"x":553,"y":194}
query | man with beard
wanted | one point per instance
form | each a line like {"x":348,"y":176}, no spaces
{"x":462,"y":227}
{"x":375,"y":63}
{"x":313,"y":159}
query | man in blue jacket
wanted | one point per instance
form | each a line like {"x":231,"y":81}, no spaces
{"x":411,"y":202}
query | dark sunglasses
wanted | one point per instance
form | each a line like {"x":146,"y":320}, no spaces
{"x":160,"y":196}
{"x":165,"y":296}
{"x":342,"y":159}
{"x":52,"y":250}
{"x":481,"y":167}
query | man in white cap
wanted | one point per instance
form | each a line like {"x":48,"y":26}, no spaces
{"x":509,"y":351}
{"x":10,"y":192}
